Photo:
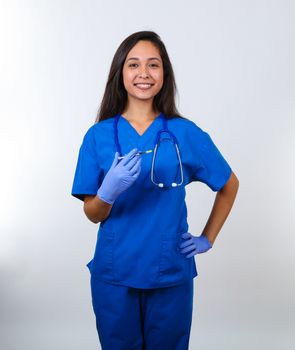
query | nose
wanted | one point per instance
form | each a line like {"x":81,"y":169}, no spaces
{"x":143,"y":72}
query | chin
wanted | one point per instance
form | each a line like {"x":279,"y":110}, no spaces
{"x":142,"y":96}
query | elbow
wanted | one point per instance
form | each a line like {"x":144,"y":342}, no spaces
{"x":95,"y":209}
{"x":94,"y":221}
{"x":90,"y":217}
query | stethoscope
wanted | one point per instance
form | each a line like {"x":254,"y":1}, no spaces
{"x":157,"y":143}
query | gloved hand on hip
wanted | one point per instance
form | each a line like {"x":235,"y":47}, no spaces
{"x":120,"y":176}
{"x":194,"y":245}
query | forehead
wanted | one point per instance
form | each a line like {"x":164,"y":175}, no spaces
{"x":144,"y":49}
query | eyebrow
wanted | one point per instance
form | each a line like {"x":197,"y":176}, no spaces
{"x":149,"y":59}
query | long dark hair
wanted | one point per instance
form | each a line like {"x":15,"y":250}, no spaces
{"x":115,"y":95}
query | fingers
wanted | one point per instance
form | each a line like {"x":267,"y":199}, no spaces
{"x":136,"y":169}
{"x":129,"y":166}
{"x":135,"y":176}
{"x":191,"y":254}
{"x":186,"y":235}
{"x":115,"y":161}
{"x":189,"y":248}
{"x":186,"y":243}
{"x":128,"y":156}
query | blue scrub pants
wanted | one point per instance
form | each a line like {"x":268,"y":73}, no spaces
{"x":142,"y":319}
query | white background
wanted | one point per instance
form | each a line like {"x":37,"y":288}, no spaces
{"x":234,"y":69}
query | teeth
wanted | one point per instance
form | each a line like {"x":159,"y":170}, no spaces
{"x":144,"y":85}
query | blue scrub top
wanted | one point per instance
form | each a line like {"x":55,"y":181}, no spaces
{"x":138,"y":243}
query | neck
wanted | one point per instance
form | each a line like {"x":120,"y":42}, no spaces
{"x":140,"y":112}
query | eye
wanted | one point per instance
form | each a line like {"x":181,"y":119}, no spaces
{"x":135,"y":64}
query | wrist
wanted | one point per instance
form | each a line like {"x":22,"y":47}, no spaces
{"x":206,"y":237}
{"x":206,"y":242}
{"x":103,"y":197}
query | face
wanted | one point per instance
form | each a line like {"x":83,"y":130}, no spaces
{"x":143,"y":71}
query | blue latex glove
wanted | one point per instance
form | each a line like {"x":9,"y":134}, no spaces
{"x":194,"y":245}
{"x":120,"y":176}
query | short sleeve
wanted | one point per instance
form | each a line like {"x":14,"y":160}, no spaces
{"x":88,"y":175}
{"x":212,"y":168}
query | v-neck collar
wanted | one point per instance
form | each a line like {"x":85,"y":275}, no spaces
{"x":141,"y":140}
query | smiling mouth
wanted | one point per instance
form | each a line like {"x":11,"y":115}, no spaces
{"x":144,"y":86}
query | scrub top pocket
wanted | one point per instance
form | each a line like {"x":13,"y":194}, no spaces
{"x":173,"y":266}
{"x":102,"y":263}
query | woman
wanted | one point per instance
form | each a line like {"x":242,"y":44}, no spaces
{"x":143,"y":266}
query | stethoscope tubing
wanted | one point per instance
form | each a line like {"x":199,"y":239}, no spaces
{"x":157,"y":142}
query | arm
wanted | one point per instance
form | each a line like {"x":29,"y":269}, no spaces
{"x":221,"y":208}
{"x":119,"y":177}
{"x":96,"y":209}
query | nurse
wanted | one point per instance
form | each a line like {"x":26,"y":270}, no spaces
{"x":131,"y":173}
